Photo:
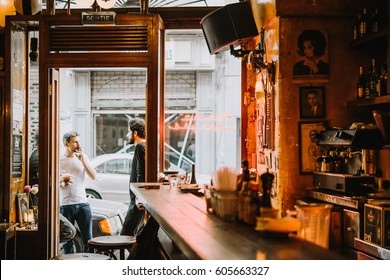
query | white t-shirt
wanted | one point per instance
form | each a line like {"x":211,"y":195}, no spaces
{"x":73,"y":193}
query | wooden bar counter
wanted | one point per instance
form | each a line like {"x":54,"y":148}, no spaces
{"x":201,"y":235}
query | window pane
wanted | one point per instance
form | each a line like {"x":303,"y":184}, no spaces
{"x":202,"y":106}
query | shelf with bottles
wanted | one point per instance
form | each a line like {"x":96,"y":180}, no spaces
{"x":370,"y":28}
{"x":380,"y":37}
{"x":385,"y":99}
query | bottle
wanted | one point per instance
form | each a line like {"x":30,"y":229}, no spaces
{"x":247,"y":202}
{"x":319,"y":163}
{"x":360,"y":84}
{"x":363,"y":24}
{"x":193,"y":178}
{"x":253,"y":206}
{"x":356,"y":28}
{"x":244,"y":190}
{"x":374,"y":21}
{"x":374,"y":80}
{"x":383,"y":80}
{"x":266,"y":179}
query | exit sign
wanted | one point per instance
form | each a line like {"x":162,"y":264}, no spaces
{"x":98,"y":17}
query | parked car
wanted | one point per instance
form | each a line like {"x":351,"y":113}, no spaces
{"x":107,"y":219}
{"x":113,"y":176}
{"x":173,"y":156}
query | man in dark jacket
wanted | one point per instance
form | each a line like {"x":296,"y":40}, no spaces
{"x":135,"y":215}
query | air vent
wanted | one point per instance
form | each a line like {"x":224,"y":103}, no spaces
{"x":129,"y":38}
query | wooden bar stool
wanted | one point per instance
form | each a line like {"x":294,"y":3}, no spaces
{"x":82,"y":256}
{"x":108,"y":244}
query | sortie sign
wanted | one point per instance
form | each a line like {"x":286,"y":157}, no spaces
{"x":98,"y":17}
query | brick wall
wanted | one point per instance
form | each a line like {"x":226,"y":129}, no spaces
{"x":115,"y":87}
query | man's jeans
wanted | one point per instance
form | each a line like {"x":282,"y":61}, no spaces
{"x":133,"y":223}
{"x":80,"y":213}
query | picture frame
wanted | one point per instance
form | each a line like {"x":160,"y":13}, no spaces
{"x":23,"y":206}
{"x":309,"y":151}
{"x":312,"y":102}
{"x":310,"y":55}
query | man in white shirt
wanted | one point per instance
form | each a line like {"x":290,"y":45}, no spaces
{"x":74,"y":166}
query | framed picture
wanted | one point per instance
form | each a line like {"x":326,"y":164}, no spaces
{"x":310,"y":54}
{"x":309,"y":151}
{"x":22,"y":203}
{"x":312,"y":102}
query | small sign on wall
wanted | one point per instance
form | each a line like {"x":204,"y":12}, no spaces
{"x":98,"y":18}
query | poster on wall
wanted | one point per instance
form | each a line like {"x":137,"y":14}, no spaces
{"x":17,"y":111}
{"x":310,"y":55}
{"x":312,"y":102}
{"x":309,"y":151}
{"x":17,"y":156}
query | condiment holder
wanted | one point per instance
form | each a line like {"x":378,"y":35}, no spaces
{"x":224,"y":204}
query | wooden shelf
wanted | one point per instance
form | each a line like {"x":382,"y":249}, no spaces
{"x":368,"y":102}
{"x":370,"y":38}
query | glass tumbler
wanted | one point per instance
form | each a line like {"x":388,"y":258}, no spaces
{"x":174,"y":181}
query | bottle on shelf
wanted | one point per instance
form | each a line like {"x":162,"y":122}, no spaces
{"x":361,"y":83}
{"x":363,"y":24}
{"x":373,"y":81}
{"x":383,"y":80}
{"x":356,"y":28}
{"x":374,"y":22}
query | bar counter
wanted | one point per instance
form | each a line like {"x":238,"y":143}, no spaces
{"x":201,"y":235}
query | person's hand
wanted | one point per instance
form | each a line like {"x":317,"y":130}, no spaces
{"x":312,"y":64}
{"x":79,"y":153}
{"x":139,"y":204}
{"x":66,"y":179}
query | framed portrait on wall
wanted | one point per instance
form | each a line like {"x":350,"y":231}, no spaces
{"x":310,"y":54}
{"x":309,"y":151}
{"x":312,"y":101}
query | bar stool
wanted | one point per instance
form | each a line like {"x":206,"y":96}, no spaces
{"x":82,"y":256}
{"x":108,"y":244}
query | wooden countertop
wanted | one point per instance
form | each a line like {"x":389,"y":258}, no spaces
{"x":200,"y":235}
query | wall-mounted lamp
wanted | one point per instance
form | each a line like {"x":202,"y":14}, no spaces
{"x":256,"y":58}
{"x":33,"y":49}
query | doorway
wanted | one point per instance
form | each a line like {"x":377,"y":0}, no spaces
{"x":187,"y":123}
{"x":78,"y":53}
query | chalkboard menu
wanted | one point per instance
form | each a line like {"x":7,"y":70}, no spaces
{"x":17,"y":156}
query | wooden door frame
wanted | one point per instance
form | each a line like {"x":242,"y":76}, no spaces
{"x":152,"y":61}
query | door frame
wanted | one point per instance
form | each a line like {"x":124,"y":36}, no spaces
{"x":152,"y":60}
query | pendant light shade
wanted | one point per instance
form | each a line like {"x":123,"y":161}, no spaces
{"x":28,"y":7}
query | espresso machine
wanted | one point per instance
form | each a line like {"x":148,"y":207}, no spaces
{"x":345,"y":175}
{"x":350,"y":161}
